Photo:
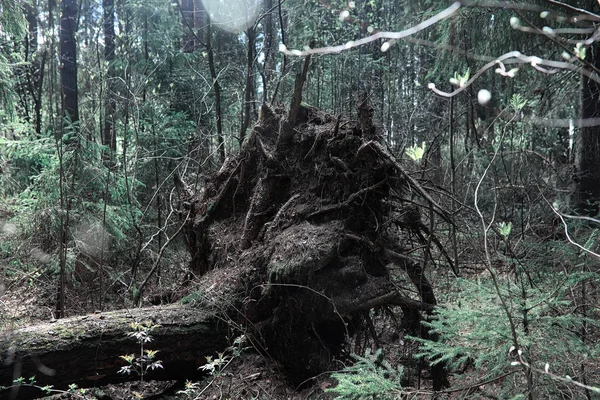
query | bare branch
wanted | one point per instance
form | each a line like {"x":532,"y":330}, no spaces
{"x":589,"y":15}
{"x":569,"y":238}
{"x":516,"y":57}
{"x":448,"y":12}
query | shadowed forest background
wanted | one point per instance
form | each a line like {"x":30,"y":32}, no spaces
{"x":405,"y":192}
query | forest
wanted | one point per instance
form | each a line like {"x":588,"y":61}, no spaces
{"x":299,"y":199}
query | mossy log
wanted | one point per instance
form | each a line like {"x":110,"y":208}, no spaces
{"x":86,"y":350}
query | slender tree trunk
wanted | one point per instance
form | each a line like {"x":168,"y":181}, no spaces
{"x":217,"y":90}
{"x":62,"y":251}
{"x":269,"y":60}
{"x":187,"y":12}
{"x":52,"y":67}
{"x":453,"y":180}
{"x":68,"y":59}
{"x":32,"y":22}
{"x":69,"y":110}
{"x":158,"y":196}
{"x":439,"y":374}
{"x":251,"y":35}
{"x":284,"y":67}
{"x":199,"y":23}
{"x":35,"y":72}
{"x":38,"y":95}
{"x":108,"y":133}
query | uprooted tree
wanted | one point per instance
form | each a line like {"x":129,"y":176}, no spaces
{"x":293,"y":240}
{"x":315,"y":209}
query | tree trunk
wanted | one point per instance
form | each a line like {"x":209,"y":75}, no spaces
{"x":188,"y":39}
{"x":200,"y":16}
{"x":217,"y":90}
{"x":108,"y":134}
{"x":86,"y":350}
{"x":268,"y":51}
{"x":35,"y":71}
{"x":251,"y":35}
{"x":68,"y":59}
{"x":587,"y":194}
{"x":32,"y":22}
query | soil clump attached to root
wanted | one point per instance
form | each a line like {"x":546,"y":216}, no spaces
{"x":294,"y":235}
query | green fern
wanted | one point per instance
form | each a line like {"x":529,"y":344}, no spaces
{"x":474,"y":332}
{"x":518,"y":102}
{"x":371,"y":377}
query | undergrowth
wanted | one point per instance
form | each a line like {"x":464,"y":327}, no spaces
{"x":370,"y":377}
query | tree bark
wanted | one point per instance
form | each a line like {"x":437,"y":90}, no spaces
{"x":187,"y":12}
{"x":200,"y":16}
{"x":587,"y":194}
{"x":251,"y":35}
{"x":268,"y":51}
{"x":108,"y":134}
{"x":35,"y":71}
{"x":217,"y":90}
{"x":68,"y":59}
{"x":86,"y":350}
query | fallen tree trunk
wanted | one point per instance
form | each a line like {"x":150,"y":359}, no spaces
{"x":86,"y":350}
